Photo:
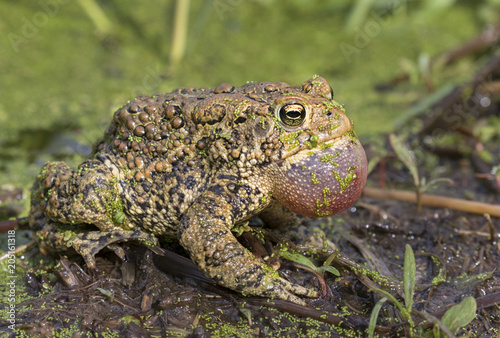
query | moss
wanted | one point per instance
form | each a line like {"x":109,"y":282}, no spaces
{"x":291,"y":138}
{"x":263,"y":122}
{"x":313,"y":142}
{"x":344,"y":182}
{"x":328,"y":158}
{"x":240,"y":108}
{"x":329,"y":105}
{"x":314,"y":178}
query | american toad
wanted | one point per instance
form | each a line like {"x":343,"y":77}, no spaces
{"x":192,"y":163}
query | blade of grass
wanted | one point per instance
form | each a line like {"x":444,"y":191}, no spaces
{"x":423,"y":105}
{"x":97,"y":15}
{"x":393,"y":299}
{"x":374,"y":316}
{"x":179,"y":34}
{"x":409,"y":269}
{"x":358,"y":14}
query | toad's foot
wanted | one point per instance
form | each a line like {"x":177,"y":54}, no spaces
{"x":55,"y":237}
{"x":262,"y":281}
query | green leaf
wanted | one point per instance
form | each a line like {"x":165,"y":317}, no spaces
{"x":107,"y":293}
{"x":374,"y":316}
{"x":435,"y":182}
{"x":248,"y":314}
{"x":460,"y":315}
{"x":298,"y":258}
{"x":404,"y":154}
{"x":331,"y":270}
{"x":409,"y":277}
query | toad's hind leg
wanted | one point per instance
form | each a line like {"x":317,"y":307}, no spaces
{"x":205,"y":231}
{"x":68,"y":205}
{"x":88,"y":195}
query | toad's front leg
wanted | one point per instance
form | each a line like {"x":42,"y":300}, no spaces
{"x":205,"y":231}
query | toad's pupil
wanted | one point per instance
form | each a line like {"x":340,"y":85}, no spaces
{"x":292,"y":114}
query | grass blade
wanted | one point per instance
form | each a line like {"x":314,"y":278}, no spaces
{"x":409,"y":269}
{"x":374,"y":316}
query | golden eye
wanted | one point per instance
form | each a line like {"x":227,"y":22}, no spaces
{"x":292,"y":114}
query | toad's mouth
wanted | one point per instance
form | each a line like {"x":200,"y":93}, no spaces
{"x":324,"y":180}
{"x":308,"y":147}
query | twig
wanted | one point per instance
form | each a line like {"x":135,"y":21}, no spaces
{"x":8,"y":225}
{"x":19,"y":249}
{"x":435,"y":201}
{"x":491,"y":227}
{"x":486,"y":39}
{"x":474,"y":233}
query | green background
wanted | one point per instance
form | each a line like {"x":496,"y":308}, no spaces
{"x":65,"y":66}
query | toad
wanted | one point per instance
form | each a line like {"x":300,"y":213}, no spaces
{"x":192,"y":164}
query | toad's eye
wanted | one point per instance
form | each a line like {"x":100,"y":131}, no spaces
{"x":292,"y":114}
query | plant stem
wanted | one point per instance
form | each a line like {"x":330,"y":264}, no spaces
{"x":180,"y":31}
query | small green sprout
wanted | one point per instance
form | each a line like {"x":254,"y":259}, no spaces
{"x":306,"y":264}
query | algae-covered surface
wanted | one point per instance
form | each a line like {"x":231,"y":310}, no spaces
{"x":63,"y":76}
{"x":66,"y":66}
